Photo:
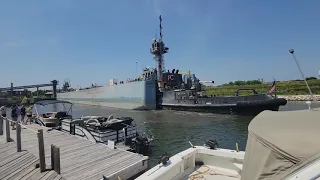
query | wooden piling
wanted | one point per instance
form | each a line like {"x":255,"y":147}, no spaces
{"x":41,"y":150}
{"x":52,"y":157}
{"x":55,"y":158}
{"x":7,"y":130}
{"x":18,"y":137}
{"x":1,"y":125}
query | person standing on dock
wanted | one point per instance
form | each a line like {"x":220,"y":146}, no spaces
{"x":29,"y":114}
{"x":14,"y":116}
{"x":23,"y":114}
{"x":3,"y":110}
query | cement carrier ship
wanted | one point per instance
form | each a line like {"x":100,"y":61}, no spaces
{"x":139,"y":94}
{"x":156,"y":88}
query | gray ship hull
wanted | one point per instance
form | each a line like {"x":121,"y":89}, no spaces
{"x":139,"y":95}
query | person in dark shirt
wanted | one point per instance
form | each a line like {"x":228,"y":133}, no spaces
{"x":23,"y":114}
{"x":14,"y":116}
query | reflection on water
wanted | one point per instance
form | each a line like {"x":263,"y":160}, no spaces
{"x":173,"y":129}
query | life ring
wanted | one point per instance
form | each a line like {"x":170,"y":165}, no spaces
{"x":170,"y":78}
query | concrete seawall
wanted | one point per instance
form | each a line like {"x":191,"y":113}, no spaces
{"x":299,"y":97}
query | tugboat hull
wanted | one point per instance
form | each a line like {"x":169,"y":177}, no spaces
{"x":243,"y":105}
{"x":223,"y":108}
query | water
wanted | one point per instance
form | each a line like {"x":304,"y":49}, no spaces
{"x":173,"y":129}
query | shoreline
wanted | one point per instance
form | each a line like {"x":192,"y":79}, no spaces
{"x":299,"y":97}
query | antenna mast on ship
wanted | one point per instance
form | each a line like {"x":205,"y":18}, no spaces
{"x":158,"y":49}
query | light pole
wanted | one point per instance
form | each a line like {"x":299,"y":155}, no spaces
{"x":294,"y":57}
{"x":136,"y":68}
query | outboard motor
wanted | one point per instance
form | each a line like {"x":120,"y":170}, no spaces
{"x":140,"y":144}
{"x":177,"y":71}
{"x":173,"y":71}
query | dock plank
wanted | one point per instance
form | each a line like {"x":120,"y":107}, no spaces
{"x":79,"y":157}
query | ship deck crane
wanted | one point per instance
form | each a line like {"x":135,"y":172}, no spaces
{"x":188,"y":72}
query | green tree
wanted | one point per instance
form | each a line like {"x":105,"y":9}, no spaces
{"x":24,"y":100}
{"x":239,"y":83}
{"x":310,"y":78}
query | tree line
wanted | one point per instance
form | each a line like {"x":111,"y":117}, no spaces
{"x":257,"y":82}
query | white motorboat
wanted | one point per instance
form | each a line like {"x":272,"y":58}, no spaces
{"x":281,"y":145}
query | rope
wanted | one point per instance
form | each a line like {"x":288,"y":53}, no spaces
{"x":28,"y":128}
{"x":200,"y":174}
{"x":7,"y":119}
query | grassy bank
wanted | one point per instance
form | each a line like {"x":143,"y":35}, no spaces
{"x":294,"y":87}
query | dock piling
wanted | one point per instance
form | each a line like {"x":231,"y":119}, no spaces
{"x":41,"y":150}
{"x":18,"y":137}
{"x":1,"y":125}
{"x":7,"y":130}
{"x":55,"y":158}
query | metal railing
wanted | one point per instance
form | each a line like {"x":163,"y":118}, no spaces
{"x":55,"y":150}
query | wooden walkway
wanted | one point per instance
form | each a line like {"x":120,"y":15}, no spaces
{"x":79,"y":158}
{"x":21,"y":165}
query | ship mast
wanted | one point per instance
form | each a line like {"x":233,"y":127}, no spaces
{"x":158,"y":49}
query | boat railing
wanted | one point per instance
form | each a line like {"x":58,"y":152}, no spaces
{"x":86,"y":134}
{"x":245,"y":89}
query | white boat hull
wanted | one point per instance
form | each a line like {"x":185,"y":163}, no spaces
{"x":222,"y":164}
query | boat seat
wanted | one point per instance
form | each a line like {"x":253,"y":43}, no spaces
{"x":61,"y":114}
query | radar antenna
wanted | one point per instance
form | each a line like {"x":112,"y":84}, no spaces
{"x":160,"y":27}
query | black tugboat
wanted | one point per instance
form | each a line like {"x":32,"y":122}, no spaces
{"x":177,"y":92}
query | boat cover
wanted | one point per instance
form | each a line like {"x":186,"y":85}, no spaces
{"x":278,"y":142}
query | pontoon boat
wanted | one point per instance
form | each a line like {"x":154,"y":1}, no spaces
{"x":122,"y":131}
{"x":51,"y":118}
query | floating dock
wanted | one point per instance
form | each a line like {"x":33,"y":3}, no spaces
{"x":78,"y":158}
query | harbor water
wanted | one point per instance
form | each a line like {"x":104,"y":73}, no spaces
{"x":173,"y":129}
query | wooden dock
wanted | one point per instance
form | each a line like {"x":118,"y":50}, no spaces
{"x":78,"y":158}
{"x":21,"y":165}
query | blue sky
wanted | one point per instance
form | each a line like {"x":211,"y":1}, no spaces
{"x":94,"y":41}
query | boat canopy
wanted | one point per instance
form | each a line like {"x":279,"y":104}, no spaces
{"x":279,"y":142}
{"x":47,"y":102}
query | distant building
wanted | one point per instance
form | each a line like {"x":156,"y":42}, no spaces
{"x":16,"y":93}
{"x":49,"y":94}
